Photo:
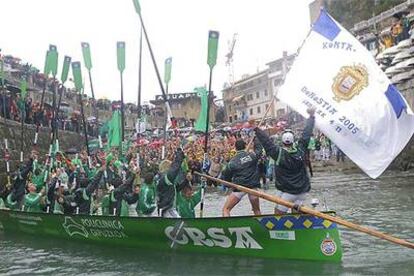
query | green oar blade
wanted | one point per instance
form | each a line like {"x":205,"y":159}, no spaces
{"x":167,"y":70}
{"x":53,"y":60}
{"x":65,"y":70}
{"x":213,"y":38}
{"x":86,"y":52}
{"x":120,"y":54}
{"x":46,"y":68}
{"x":137,"y":6}
{"x":77,"y":75}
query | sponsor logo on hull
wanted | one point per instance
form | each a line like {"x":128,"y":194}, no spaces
{"x":212,"y":237}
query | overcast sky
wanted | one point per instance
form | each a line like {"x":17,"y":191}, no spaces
{"x":177,"y":28}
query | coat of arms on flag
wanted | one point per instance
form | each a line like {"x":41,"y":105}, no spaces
{"x":349,"y":82}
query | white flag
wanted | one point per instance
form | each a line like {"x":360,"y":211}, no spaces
{"x":357,"y":106}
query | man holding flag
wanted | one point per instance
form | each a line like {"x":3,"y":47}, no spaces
{"x":357,"y":107}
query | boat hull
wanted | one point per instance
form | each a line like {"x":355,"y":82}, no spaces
{"x":283,"y":237}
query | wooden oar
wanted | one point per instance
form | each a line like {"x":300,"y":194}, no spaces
{"x":313,"y":212}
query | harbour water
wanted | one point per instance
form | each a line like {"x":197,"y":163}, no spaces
{"x":385,"y":204}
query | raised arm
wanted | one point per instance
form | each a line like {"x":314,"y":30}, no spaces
{"x":271,"y":148}
{"x":307,"y":131}
{"x":94,"y":184}
{"x":176,"y":165}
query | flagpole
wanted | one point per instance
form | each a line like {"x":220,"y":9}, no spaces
{"x":283,"y":80}
{"x":213,"y":37}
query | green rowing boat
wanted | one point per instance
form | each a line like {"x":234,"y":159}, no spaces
{"x":293,"y":236}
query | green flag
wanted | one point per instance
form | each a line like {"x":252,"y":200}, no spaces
{"x":167,"y":72}
{"x":77,"y":75}
{"x":115,"y":130}
{"x":65,"y":70}
{"x":86,"y":52}
{"x":137,"y":6}
{"x":52,"y":60}
{"x":213,"y":37}
{"x":200,"y":124}
{"x":120,"y":54}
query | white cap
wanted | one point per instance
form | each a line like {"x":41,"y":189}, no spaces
{"x":288,"y":138}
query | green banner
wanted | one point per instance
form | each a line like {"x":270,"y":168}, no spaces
{"x":77,"y":76}
{"x":167,"y":70}
{"x":200,"y":124}
{"x":120,"y":54}
{"x":137,"y":6}
{"x":213,"y":38}
{"x":52,"y":60}
{"x":65,"y":70}
{"x":86,"y":52}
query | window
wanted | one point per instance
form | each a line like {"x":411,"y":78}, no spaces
{"x":277,"y":82}
{"x":265,"y":93}
{"x":258,"y":110}
{"x":251,"y":111}
{"x":230,"y":119}
{"x":235,"y":117}
{"x":257,"y":95}
{"x":280,"y":112}
{"x":250,"y":97}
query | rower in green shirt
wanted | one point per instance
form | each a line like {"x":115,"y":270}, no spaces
{"x":32,"y":200}
{"x":146,"y":202}
{"x":187,"y":199}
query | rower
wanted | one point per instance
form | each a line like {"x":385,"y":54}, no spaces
{"x":242,"y":169}
{"x":166,"y":189}
{"x":292,"y":179}
{"x":146,"y":203}
{"x":187,"y":198}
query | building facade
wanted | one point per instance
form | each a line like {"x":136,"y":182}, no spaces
{"x":277,"y":73}
{"x":185,"y":108}
{"x":248,"y":98}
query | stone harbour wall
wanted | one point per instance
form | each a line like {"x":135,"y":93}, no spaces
{"x":12,"y":131}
